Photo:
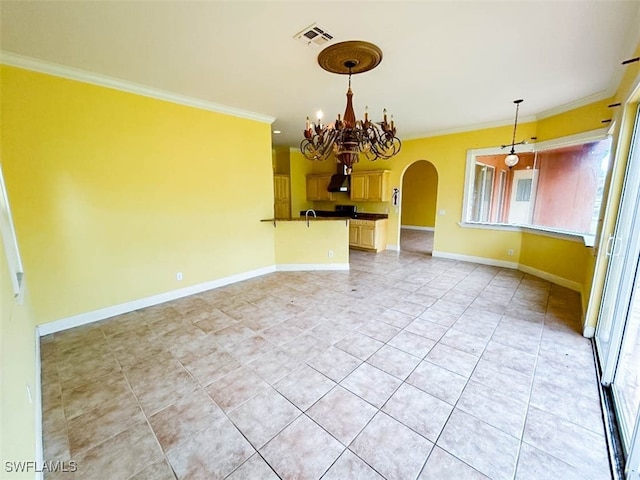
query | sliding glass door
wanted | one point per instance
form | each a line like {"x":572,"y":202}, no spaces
{"x":618,"y":332}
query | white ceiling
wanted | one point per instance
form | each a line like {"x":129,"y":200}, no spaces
{"x":447,"y":65}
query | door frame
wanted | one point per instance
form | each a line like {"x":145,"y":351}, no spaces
{"x":401,"y":200}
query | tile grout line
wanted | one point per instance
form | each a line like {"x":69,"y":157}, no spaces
{"x":387,"y":267}
{"x":435,"y":443}
{"x":533,"y":379}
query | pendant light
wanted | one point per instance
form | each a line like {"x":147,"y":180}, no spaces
{"x":512,"y":159}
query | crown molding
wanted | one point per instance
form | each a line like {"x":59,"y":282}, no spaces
{"x":470,"y":128}
{"x":581,"y":102}
{"x":36,"y":65}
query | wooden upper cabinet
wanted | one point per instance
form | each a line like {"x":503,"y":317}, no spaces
{"x":358,"y":187}
{"x":372,"y":186}
{"x":317,"y":187}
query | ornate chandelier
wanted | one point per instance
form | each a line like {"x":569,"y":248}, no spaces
{"x":347,"y":137}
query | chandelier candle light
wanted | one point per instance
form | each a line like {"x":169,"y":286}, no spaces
{"x":512,"y":159}
{"x":347,"y":137}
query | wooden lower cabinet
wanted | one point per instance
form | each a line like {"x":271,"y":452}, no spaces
{"x":368,"y":234}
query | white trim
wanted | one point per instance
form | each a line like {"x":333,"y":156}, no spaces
{"x":393,"y":247}
{"x":563,"y":282}
{"x":11,"y":250}
{"x":39,"y":453}
{"x":581,"y":102}
{"x":57,"y":70}
{"x":473,"y":154}
{"x":586,"y":240}
{"x":470,"y":258}
{"x":108,"y":312}
{"x":506,"y":227}
{"x":481,"y":152}
{"x":468,"y":128}
{"x":418,"y":227}
{"x":103,"y":313}
{"x":570,"y":140}
{"x":469,"y":173}
{"x":588,"y":331}
{"x":304,"y":267}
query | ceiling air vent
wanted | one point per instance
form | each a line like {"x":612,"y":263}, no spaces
{"x":314,"y":35}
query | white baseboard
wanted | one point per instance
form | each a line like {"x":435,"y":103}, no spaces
{"x":588,"y":331}
{"x":108,"y":312}
{"x":395,"y":248}
{"x":103,"y":313}
{"x":563,"y":282}
{"x":303,"y":267}
{"x":417,"y":227}
{"x":469,"y":258}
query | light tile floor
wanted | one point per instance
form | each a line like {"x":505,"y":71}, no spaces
{"x":405,"y":367}
{"x":417,"y":241}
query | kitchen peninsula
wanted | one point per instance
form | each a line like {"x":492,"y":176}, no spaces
{"x":312,"y":243}
{"x":367,"y":231}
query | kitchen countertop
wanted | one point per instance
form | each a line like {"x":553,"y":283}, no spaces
{"x":303,"y":219}
{"x":357,"y":215}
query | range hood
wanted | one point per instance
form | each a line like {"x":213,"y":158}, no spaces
{"x":341,"y":181}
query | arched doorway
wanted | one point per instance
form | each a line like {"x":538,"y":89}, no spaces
{"x":418,"y":207}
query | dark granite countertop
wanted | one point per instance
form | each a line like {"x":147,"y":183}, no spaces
{"x":357,"y":215}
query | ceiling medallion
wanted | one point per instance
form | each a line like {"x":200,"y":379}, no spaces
{"x":347,"y":137}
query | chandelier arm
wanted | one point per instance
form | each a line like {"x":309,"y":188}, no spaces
{"x":388,"y":149}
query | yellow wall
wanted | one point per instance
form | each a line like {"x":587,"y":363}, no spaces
{"x":582,"y":119}
{"x":297,"y":244}
{"x":419,"y":192}
{"x":563,"y":258}
{"x":17,"y":370}
{"x":114,"y":193}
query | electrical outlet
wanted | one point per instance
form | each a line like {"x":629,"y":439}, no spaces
{"x":179,"y":276}
{"x":442,"y":212}
{"x":510,"y":252}
{"x":330,"y":254}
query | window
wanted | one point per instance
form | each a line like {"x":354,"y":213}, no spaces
{"x":9,"y":240}
{"x":556,"y":186}
{"x":482,"y":192}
